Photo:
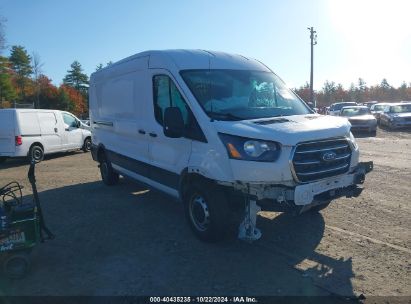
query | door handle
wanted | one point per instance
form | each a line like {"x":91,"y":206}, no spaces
{"x":56,"y":130}
{"x":153,"y":134}
{"x":141,"y":131}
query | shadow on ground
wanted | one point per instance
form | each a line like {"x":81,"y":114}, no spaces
{"x":127,"y":240}
{"x":23,"y":161}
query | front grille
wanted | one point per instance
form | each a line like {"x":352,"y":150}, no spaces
{"x":321,"y":159}
{"x":357,"y":122}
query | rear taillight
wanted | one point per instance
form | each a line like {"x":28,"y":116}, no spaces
{"x":19,"y":140}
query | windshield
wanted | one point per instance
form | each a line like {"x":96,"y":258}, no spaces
{"x":339,"y":106}
{"x":378,"y":107}
{"x":355,"y":111}
{"x":401,"y":108}
{"x":241,"y":94}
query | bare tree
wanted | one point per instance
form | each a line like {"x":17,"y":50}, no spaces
{"x":37,"y":71}
{"x":2,"y":34}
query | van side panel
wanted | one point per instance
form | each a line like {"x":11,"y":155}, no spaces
{"x":116,"y":110}
{"x":49,"y":127}
{"x":7,"y":132}
{"x":29,"y":124}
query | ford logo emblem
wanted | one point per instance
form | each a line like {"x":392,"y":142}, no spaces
{"x":329,"y":156}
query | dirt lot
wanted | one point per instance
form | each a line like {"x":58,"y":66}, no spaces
{"x":127,"y":240}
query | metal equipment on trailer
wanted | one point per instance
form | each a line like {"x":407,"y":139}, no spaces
{"x":21,"y":227}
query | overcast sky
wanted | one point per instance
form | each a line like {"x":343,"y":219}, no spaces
{"x":356,"y":38}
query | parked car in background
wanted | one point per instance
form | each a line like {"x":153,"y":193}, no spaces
{"x":396,"y":116}
{"x":85,"y":121}
{"x":360,"y":118}
{"x":377,"y":109}
{"x":335,"y":108}
{"x":369,"y":104}
{"x":34,"y":133}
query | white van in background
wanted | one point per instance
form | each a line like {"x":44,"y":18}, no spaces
{"x":34,"y":133}
{"x":219,"y":132}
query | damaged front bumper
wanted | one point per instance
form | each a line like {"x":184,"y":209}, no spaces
{"x":304,"y":196}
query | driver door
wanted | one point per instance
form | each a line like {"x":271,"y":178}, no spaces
{"x":73,"y":134}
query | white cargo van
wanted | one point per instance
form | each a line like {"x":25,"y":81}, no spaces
{"x":34,"y":133}
{"x":219,"y":132}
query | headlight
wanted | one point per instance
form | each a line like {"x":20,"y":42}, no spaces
{"x":250,"y":149}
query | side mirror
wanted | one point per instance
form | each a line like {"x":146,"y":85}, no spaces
{"x":173,"y":123}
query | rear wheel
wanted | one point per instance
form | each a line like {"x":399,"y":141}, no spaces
{"x":16,"y":266}
{"x":36,"y":154}
{"x":108,"y":175}
{"x":87,"y":145}
{"x":207,"y":211}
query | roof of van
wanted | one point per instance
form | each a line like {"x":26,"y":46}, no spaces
{"x":190,"y":60}
{"x":29,"y":110}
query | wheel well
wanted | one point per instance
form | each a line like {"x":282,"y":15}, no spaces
{"x":37,"y":144}
{"x":100,"y":153}
{"x":234,"y":198}
{"x":188,"y":178}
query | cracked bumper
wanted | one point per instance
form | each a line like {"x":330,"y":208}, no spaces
{"x":320,"y":192}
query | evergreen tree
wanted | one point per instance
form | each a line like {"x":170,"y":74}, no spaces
{"x":75,"y":78}
{"x":7,"y":91}
{"x":63,"y":101}
{"x":99,"y":67}
{"x":21,"y":64}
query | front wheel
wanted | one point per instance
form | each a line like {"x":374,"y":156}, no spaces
{"x":207,"y":211}
{"x":16,"y":266}
{"x":108,"y":175}
{"x":87,"y":145}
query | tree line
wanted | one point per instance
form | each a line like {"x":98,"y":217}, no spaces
{"x":359,"y":92}
{"x":22,"y":81}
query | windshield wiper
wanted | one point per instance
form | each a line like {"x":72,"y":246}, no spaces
{"x":223,"y":116}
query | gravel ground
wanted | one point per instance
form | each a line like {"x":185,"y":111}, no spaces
{"x":129,"y":240}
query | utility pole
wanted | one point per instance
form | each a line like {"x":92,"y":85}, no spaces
{"x":313,"y":37}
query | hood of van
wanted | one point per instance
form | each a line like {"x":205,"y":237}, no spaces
{"x":288,"y":130}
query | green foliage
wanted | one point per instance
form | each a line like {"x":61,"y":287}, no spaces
{"x":63,"y":101}
{"x":21,"y":64}
{"x":75,"y":78}
{"x":7,"y":91}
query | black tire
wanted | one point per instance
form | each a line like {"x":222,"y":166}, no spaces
{"x":206,"y":209}
{"x":318,"y":208}
{"x":2,"y":159}
{"x":36,"y":154}
{"x":87,"y":145}
{"x":108,"y":175}
{"x":373,"y":133}
{"x":16,"y":266}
